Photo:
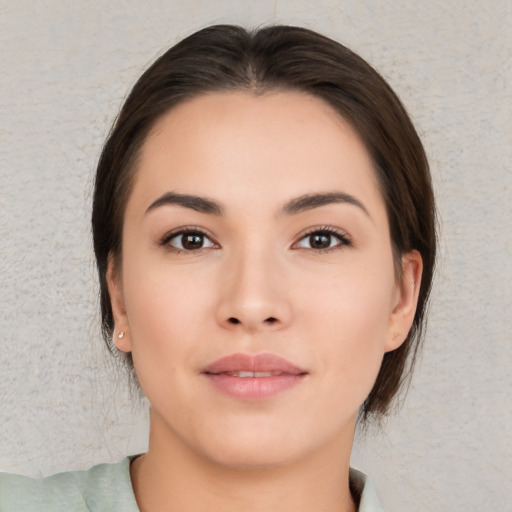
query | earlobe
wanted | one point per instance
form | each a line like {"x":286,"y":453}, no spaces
{"x":404,"y":308}
{"x":121,"y":337}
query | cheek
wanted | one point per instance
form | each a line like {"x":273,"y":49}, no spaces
{"x":352,"y":300}
{"x":165,"y":315}
{"x":165,"y":312}
{"x":349,"y":320}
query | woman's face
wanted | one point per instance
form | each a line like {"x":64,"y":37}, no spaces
{"x":257,"y":287}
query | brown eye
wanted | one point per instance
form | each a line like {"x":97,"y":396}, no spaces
{"x":319,"y":241}
{"x":190,"y":241}
{"x":322,"y":240}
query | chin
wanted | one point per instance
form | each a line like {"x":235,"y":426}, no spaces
{"x":263,"y":445}
{"x":252,"y":456}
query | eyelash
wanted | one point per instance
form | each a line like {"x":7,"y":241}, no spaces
{"x":192,"y":230}
{"x":343,"y":239}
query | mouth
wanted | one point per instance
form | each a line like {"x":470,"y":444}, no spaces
{"x":253,"y":377}
{"x":245,"y":374}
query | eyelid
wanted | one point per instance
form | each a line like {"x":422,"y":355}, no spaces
{"x":183,"y":230}
{"x":343,"y":237}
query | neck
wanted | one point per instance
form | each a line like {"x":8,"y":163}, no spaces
{"x":171,"y":477}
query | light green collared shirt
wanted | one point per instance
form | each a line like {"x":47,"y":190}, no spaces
{"x":108,"y":488}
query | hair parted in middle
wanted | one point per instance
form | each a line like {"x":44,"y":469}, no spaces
{"x":280,"y":58}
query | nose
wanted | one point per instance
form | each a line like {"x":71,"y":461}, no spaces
{"x":253,"y":295}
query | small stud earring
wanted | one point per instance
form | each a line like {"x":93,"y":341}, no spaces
{"x":395,"y":334}
{"x":121,"y":335}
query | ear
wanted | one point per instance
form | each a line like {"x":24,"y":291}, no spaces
{"x":405,"y":300}
{"x":121,"y":334}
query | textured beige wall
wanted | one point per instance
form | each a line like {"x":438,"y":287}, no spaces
{"x":64,"y":69}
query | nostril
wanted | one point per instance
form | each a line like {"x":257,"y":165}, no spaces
{"x":269,"y":320}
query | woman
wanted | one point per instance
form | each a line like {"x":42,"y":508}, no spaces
{"x":263,"y":225}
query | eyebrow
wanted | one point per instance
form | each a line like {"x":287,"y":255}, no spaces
{"x":310,"y":201}
{"x":297,"y":205}
{"x":199,"y":204}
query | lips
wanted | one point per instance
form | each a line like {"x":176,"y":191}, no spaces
{"x":253,"y":377}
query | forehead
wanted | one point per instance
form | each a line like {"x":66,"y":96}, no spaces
{"x":250,"y":149}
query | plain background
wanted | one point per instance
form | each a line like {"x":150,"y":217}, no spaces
{"x":65,"y":68}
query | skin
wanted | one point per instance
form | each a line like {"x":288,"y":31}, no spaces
{"x":332,"y":312}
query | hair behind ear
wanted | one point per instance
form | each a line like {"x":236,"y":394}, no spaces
{"x":120,"y":334}
{"x":404,"y":310}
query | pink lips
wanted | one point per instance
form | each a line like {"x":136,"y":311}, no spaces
{"x":253,"y":377}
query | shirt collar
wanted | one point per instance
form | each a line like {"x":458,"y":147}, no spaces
{"x":363,"y":488}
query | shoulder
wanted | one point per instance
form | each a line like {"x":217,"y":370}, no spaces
{"x":103,"y":487}
{"x":363,"y":490}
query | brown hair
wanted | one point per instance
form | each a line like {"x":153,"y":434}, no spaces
{"x":229,"y":58}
